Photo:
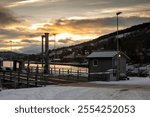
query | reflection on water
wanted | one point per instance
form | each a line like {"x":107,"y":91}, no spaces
{"x":8,"y":64}
{"x":64,"y":67}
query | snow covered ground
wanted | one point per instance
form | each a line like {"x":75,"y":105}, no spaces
{"x":82,"y":93}
{"x":138,"y":69}
{"x":133,"y":81}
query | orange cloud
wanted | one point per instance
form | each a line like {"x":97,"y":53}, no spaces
{"x":89,"y":27}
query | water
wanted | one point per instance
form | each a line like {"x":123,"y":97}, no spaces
{"x":8,"y":64}
{"x":64,"y":67}
{"x":60,"y":70}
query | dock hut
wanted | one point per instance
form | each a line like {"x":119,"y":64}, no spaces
{"x":107,"y":65}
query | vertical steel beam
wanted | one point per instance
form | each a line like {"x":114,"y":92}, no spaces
{"x":46,"y":69}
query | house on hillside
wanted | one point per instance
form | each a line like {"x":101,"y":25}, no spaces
{"x":107,"y":65}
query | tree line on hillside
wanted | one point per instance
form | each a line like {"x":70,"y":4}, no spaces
{"x":134,"y":41}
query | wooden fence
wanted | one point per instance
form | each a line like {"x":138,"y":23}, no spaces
{"x":34,"y":77}
{"x":63,"y":73}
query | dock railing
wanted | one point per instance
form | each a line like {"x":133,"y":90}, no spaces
{"x":63,"y":73}
{"x":34,"y":76}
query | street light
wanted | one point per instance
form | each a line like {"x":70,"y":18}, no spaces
{"x":54,"y":50}
{"x":43,"y":36}
{"x":118,"y":13}
{"x":54,"y":43}
{"x":11,"y":54}
{"x":118,"y":57}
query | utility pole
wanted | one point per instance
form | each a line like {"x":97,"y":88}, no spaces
{"x":11,"y":54}
{"x":118,"y":13}
{"x":54,"y":50}
{"x":42,"y":47}
{"x":118,"y":61}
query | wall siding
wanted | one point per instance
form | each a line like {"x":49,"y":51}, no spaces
{"x":122,"y":64}
{"x":103,"y":65}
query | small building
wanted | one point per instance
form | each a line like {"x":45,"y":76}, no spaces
{"x":107,"y":65}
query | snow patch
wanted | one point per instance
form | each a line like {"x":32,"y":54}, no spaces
{"x":132,"y":81}
{"x":81,"y":93}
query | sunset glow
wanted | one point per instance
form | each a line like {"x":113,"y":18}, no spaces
{"x":73,"y":21}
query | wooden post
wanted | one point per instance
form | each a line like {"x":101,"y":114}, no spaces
{"x":3,"y":75}
{"x":15,"y":78}
{"x":77,"y":74}
{"x":27,"y":79}
{"x":59,"y":72}
{"x":28,"y":76}
{"x":68,"y":74}
{"x":62,"y":71}
{"x":1,"y":84}
{"x":51,"y":70}
{"x":18,"y":78}
{"x":71,"y":70}
{"x":45,"y":79}
{"x":10,"y":76}
{"x":36,"y":75}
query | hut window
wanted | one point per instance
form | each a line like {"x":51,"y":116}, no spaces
{"x":95,"y":62}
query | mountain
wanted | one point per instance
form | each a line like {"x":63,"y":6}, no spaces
{"x":8,"y":55}
{"x":134,"y":41}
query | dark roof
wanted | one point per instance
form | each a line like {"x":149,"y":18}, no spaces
{"x":105,"y":54}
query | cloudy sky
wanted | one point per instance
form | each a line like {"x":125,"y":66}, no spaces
{"x":22,"y":22}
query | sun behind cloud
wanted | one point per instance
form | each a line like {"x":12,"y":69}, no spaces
{"x":73,"y":21}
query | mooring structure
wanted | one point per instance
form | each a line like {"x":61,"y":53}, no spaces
{"x":45,"y":54}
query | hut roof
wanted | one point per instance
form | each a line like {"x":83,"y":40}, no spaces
{"x":106,"y":54}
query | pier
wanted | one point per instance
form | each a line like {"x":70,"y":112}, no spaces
{"x":35,"y":77}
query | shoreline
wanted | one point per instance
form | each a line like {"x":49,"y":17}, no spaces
{"x":72,"y":64}
{"x":69,"y":64}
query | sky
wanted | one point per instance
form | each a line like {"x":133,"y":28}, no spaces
{"x":22,"y":22}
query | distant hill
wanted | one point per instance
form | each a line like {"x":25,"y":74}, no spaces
{"x":8,"y":55}
{"x":134,"y":41}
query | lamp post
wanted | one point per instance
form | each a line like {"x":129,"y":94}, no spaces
{"x":118,"y":13}
{"x":118,"y":61}
{"x":11,"y":54}
{"x":42,"y":48}
{"x":54,"y":50}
